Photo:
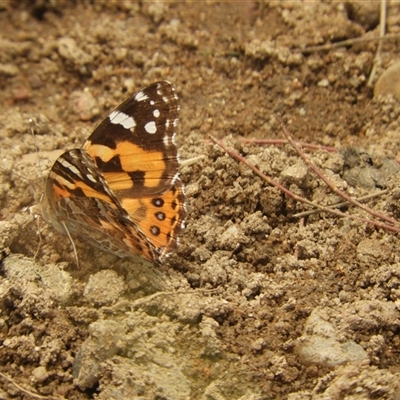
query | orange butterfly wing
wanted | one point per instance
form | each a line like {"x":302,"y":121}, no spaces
{"x":122,"y":192}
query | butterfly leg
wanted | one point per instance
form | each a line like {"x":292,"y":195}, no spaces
{"x":72,"y":243}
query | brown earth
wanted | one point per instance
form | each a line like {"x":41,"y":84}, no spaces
{"x":256,"y":303}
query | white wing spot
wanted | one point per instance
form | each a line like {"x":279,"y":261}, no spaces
{"x":140,"y":96}
{"x":64,"y":163}
{"x":156,"y":113}
{"x":120,"y":118}
{"x":70,"y":167}
{"x":166,"y":141}
{"x":75,"y":171}
{"x":91,"y":178}
{"x":150,"y":127}
{"x":175,"y":177}
{"x":152,"y":102}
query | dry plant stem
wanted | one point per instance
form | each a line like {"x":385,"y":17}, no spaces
{"x":28,"y":392}
{"x":241,"y":159}
{"x":342,"y":204}
{"x":335,"y":189}
{"x":348,"y":42}
{"x":382,"y":30}
{"x":193,"y":160}
{"x":283,"y":141}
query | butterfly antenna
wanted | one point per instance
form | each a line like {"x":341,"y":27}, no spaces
{"x":40,"y":238}
{"x":34,"y":188}
{"x":72,"y":243}
{"x":31,"y":123}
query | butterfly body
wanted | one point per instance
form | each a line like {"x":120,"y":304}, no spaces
{"x":121,"y":191}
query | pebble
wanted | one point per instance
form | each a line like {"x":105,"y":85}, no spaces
{"x":40,"y":374}
{"x":389,"y":82}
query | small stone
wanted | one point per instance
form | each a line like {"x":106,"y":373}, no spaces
{"x":389,"y":82}
{"x":365,"y":13}
{"x":40,"y":374}
{"x":323,"y":83}
{"x":296,"y":174}
{"x":8,"y":70}
{"x":69,"y":50}
{"x":317,"y":350}
{"x":258,"y":344}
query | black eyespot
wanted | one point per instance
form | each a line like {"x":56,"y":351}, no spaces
{"x":157,"y":202}
{"x":155,"y":230}
{"x":160,"y":216}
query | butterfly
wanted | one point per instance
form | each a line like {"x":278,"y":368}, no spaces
{"x":121,"y":191}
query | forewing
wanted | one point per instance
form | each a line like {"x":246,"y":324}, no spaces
{"x":134,"y":147}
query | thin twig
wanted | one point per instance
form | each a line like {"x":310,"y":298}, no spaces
{"x":241,"y":159}
{"x":333,"y":187}
{"x":26,"y":391}
{"x":283,"y":141}
{"x":382,"y":30}
{"x":191,"y":161}
{"x":347,"y":42}
{"x":342,"y":204}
